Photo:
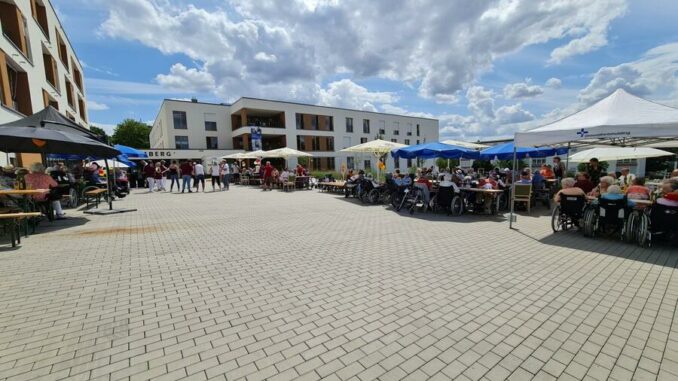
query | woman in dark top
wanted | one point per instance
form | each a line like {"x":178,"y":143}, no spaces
{"x":174,"y":175}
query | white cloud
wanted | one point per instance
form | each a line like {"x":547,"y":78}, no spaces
{"x":654,"y":73}
{"x":513,"y":114}
{"x":522,"y":90}
{"x":261,"y":48}
{"x":348,"y":94}
{"x":107,"y":86}
{"x":96,"y":106}
{"x":187,"y":80}
{"x":553,"y":83}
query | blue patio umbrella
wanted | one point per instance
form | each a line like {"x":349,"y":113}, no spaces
{"x":434,"y":150}
{"x":130,"y":152}
{"x":505,"y":152}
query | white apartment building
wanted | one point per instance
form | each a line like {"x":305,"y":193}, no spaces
{"x":38,"y":66}
{"x":319,"y":130}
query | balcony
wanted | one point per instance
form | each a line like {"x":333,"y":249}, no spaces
{"x":257,"y":118}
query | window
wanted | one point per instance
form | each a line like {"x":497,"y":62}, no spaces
{"x":382,"y":127}
{"x":69,"y":94}
{"x":394,"y":140}
{"x":212,"y":142}
{"x":300,"y":121}
{"x":409,"y":163}
{"x":314,"y":122}
{"x":179,"y":120}
{"x":301,"y":142}
{"x":77,"y":75}
{"x":396,"y":163}
{"x":61,"y":47}
{"x":407,"y":142}
{"x":15,"y":27}
{"x":48,"y":100}
{"x":328,"y":123}
{"x":396,"y":132}
{"x":367,"y":164}
{"x":323,"y":163}
{"x":210,"y":121}
{"x":81,"y":109}
{"x":366,"y":126}
{"x":382,"y":131}
{"x":417,"y":141}
{"x":15,"y":90}
{"x":40,"y":15}
{"x":181,"y":142}
{"x":349,"y":124}
{"x":396,"y":128}
{"x":50,"y":69}
{"x":417,"y":131}
{"x":363,"y":140}
{"x":350,"y":163}
{"x":409,"y":129}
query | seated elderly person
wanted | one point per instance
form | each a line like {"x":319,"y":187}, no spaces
{"x":605,"y":182}
{"x":538,"y":180}
{"x":525,"y":177}
{"x":38,"y":179}
{"x":584,"y":182}
{"x":638,"y":190}
{"x":669,"y":193}
{"x":547,"y":172}
{"x":424,"y":183}
{"x":614,"y":192}
{"x":568,"y":189}
{"x":674,"y":173}
{"x":7,"y":177}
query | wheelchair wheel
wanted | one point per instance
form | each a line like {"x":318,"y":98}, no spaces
{"x":590,"y":222}
{"x":556,"y":221}
{"x":643,"y":235}
{"x":73,"y":198}
{"x":456,"y":206}
{"x":373,"y":196}
{"x":631,"y":228}
{"x":415,"y":200}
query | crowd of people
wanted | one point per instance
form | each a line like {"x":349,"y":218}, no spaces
{"x":190,"y":176}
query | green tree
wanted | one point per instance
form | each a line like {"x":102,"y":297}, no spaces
{"x":583,"y":167}
{"x":132,"y":133}
{"x":100,"y":131}
{"x":443,"y":163}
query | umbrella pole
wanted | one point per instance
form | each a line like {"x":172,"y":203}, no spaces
{"x":513,"y":187}
{"x":108,"y":185}
{"x":567,"y":160}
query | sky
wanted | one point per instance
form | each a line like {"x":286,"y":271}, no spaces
{"x":483,"y":68}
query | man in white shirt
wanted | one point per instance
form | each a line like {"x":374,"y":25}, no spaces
{"x":626,"y":178}
{"x":199,"y":176}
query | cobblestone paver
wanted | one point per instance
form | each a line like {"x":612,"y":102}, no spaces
{"x":302,"y":286}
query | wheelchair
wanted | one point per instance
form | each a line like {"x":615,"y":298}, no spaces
{"x":448,"y":200}
{"x":607,"y":217}
{"x":657,"y":221}
{"x":568,"y":213}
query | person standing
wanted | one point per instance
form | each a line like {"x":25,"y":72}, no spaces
{"x":225,"y":174}
{"x":215,"y":173}
{"x":559,"y":169}
{"x":174,"y":175}
{"x":158,"y":176}
{"x":268,"y":176}
{"x":149,"y":175}
{"x":594,"y":171}
{"x":199,"y":172}
{"x":186,"y":170}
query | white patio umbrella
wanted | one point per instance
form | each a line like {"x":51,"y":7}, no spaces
{"x":236,"y":156}
{"x":617,"y":153}
{"x":377,"y":147}
{"x":465,"y":144}
{"x":286,"y":153}
{"x":254,"y":154}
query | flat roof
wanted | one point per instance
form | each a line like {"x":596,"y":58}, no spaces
{"x":298,"y":104}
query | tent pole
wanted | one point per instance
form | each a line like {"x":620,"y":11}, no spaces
{"x":108,"y":185}
{"x":513,"y":186}
{"x":567,"y":160}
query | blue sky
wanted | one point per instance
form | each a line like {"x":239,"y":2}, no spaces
{"x":484,"y":69}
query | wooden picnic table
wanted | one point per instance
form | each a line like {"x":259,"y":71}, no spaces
{"x":331,"y":185}
{"x":482,"y":190}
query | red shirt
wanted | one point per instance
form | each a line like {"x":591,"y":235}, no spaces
{"x":300,"y":171}
{"x":186,"y":169}
{"x":423,"y":180}
{"x":149,"y":170}
{"x":268,"y":170}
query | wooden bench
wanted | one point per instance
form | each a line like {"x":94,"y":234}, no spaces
{"x":15,"y":225}
{"x":332,"y":186}
{"x":94,"y":195}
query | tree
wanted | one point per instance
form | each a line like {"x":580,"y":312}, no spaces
{"x":132,"y":133}
{"x":100,"y":131}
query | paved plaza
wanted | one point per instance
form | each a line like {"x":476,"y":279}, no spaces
{"x":305,"y":285}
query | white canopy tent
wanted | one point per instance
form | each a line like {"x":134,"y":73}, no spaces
{"x":621,"y":119}
{"x":617,"y":153}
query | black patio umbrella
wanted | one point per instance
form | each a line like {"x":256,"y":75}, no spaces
{"x":48,"y":131}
